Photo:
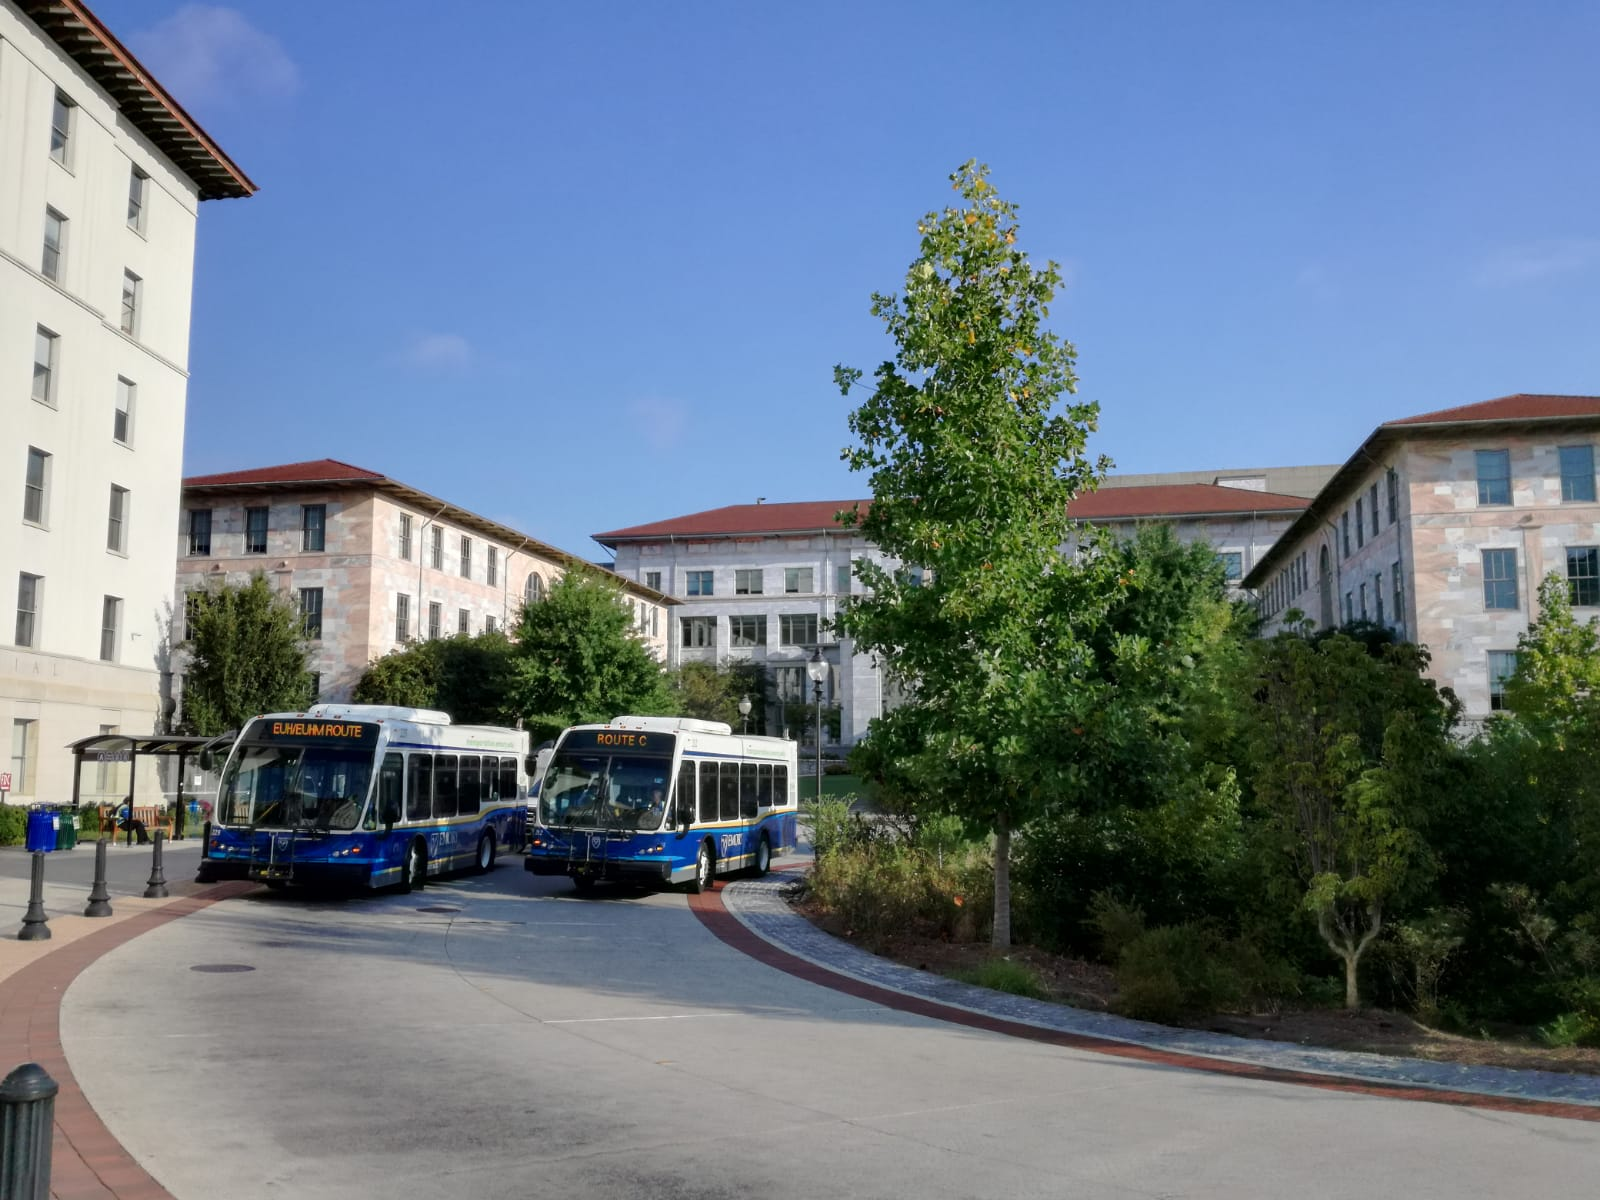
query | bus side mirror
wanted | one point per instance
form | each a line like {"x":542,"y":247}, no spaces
{"x":391,"y":811}
{"x":683,"y":819}
{"x":530,"y":766}
{"x":207,"y":762}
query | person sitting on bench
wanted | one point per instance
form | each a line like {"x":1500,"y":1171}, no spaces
{"x":126,"y":821}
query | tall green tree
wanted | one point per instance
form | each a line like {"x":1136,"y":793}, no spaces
{"x":973,"y":457}
{"x":247,"y":655}
{"x":576,"y":658}
{"x":467,"y":677}
{"x":712,"y":693}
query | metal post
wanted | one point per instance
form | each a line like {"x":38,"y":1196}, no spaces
{"x":133,"y":771}
{"x":156,"y":887}
{"x":177,"y":817}
{"x":27,"y":1118}
{"x":99,"y":898}
{"x":35,"y":927}
{"x":818,"y":687}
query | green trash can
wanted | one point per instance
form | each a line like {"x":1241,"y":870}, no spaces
{"x":67,"y":829}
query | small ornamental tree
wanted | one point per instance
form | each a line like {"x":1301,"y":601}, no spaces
{"x":467,"y":677}
{"x":247,"y":655}
{"x":973,"y":458}
{"x":576,"y":658}
{"x":1556,"y":688}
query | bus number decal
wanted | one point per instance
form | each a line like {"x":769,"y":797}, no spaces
{"x":731,"y":842}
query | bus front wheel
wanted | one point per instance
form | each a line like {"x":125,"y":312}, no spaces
{"x":414,"y":870}
{"x":705,"y":870}
{"x":485,"y":860}
{"x":763,"y":857}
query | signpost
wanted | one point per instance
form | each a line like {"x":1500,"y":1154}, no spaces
{"x":5,"y":785}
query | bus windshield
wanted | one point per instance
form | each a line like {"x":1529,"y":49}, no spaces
{"x":282,"y":786}
{"x":600,"y":791}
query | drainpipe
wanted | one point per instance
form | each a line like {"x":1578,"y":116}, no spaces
{"x":505,"y":583}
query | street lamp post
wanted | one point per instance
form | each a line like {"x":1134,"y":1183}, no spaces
{"x":744,"y":714}
{"x":817,"y":669}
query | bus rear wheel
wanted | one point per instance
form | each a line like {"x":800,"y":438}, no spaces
{"x":705,"y":870}
{"x":485,"y":860}
{"x":763,"y":857}
{"x":583,"y":884}
{"x":414,"y":869}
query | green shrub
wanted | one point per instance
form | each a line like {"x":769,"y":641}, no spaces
{"x":1179,"y":971}
{"x":1580,"y":1026}
{"x":881,"y":888}
{"x":1118,"y":925}
{"x":13,"y":824}
{"x":88,"y":821}
{"x":1004,"y":975}
{"x":830,"y":825}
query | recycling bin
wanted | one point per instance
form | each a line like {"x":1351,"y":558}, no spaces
{"x":41,"y":830}
{"x":67,"y":829}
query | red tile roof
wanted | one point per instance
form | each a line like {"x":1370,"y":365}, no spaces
{"x":1521,"y":407}
{"x":807,"y":516}
{"x":321,"y":470}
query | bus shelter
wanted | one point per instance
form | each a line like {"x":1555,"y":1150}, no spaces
{"x":130,"y":748}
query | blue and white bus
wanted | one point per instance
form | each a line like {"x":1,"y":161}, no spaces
{"x":368,"y":795}
{"x":663,"y":800}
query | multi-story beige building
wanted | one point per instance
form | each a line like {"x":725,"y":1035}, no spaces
{"x":762,"y":582}
{"x":101,"y":178}
{"x":372,"y":562}
{"x":1441,"y":527}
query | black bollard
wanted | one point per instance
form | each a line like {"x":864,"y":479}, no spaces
{"x":27,"y":1113}
{"x":156,"y":886}
{"x":34,"y":923}
{"x":99,"y":898}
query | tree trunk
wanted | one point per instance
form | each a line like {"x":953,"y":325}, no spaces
{"x":1002,"y":881}
{"x":1352,"y":989}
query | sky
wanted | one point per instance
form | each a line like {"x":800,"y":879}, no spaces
{"x":579,"y":267}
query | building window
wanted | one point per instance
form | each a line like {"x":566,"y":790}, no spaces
{"x":747,"y":632}
{"x":1344,"y":524}
{"x":438,"y":548}
{"x":699,"y":583}
{"x":132,"y":286}
{"x":533,"y":589}
{"x":28,"y":589}
{"x":466,"y":557}
{"x":797,"y":580}
{"x":46,"y":347}
{"x":200,"y":532}
{"x":1502,"y":666}
{"x":117,"y":521}
{"x":1494,"y":477}
{"x":1232,"y":565}
{"x":255,"y":531}
{"x":311,"y":612}
{"x":652,"y":579}
{"x":110,"y":627}
{"x":314,"y":527}
{"x":316,"y":685}
{"x":1377,"y":597}
{"x":402,"y":618}
{"x":489,"y":625}
{"x":1372,"y":508}
{"x":36,"y":488}
{"x":1398,"y":592}
{"x":55,"y":245}
{"x":841,"y":579}
{"x":655,"y":622}
{"x":1361,"y":526}
{"x":405,"y":536}
{"x":789,"y":683}
{"x":747,"y":583}
{"x":138,"y":184}
{"x":435,"y":618}
{"x":699,"y":631}
{"x":797,"y":629}
{"x":1500,"y":579}
{"x":1577,"y":473}
{"x":463,"y":621}
{"x":492,"y":567}
{"x":1583,"y":575}
{"x":1393,"y":481}
{"x":61,"y":115}
{"x":23,"y":736}
{"x":192,"y":602}
{"x":1349,"y":608}
{"x":1363,"y":602}
{"x":122,"y":418}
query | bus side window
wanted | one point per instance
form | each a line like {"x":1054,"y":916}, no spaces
{"x":685,"y":800}
{"x":508,"y":780}
{"x":467,"y":797}
{"x":444,"y":785}
{"x":419,"y":787}
{"x":391,"y":777}
{"x":489,"y":787}
{"x":708,"y":792}
{"x":780,"y":786}
{"x":747,"y":789}
{"x":730,"y":791}
{"x":764,"y":788}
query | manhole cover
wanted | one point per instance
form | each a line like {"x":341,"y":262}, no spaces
{"x":220,"y":968}
{"x":438,"y":908}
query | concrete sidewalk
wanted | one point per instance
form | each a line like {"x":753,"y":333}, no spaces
{"x":760,"y":907}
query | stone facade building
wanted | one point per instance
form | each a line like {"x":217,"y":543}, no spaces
{"x":762,"y":583}
{"x":101,"y":178}
{"x":1441,"y":526}
{"x":371,"y":562}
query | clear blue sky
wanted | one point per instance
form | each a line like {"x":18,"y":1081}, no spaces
{"x":583,"y":266}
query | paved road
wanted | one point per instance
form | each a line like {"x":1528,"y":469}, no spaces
{"x":68,"y":875}
{"x":530,"y":1043}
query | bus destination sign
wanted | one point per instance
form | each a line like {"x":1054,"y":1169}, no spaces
{"x":302,"y":730}
{"x":619,"y":741}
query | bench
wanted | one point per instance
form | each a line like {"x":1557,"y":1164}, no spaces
{"x":153,"y":818}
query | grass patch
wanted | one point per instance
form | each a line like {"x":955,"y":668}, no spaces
{"x":1004,"y":975}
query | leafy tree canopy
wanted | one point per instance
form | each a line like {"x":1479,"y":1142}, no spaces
{"x":247,"y":655}
{"x":712,"y":693}
{"x":467,"y":677}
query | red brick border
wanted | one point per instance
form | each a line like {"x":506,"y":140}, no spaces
{"x":87,"y":1163}
{"x":714,"y":916}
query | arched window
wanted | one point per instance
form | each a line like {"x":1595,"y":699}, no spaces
{"x":533,"y":589}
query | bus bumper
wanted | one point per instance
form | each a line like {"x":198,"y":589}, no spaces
{"x":610,"y":870}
